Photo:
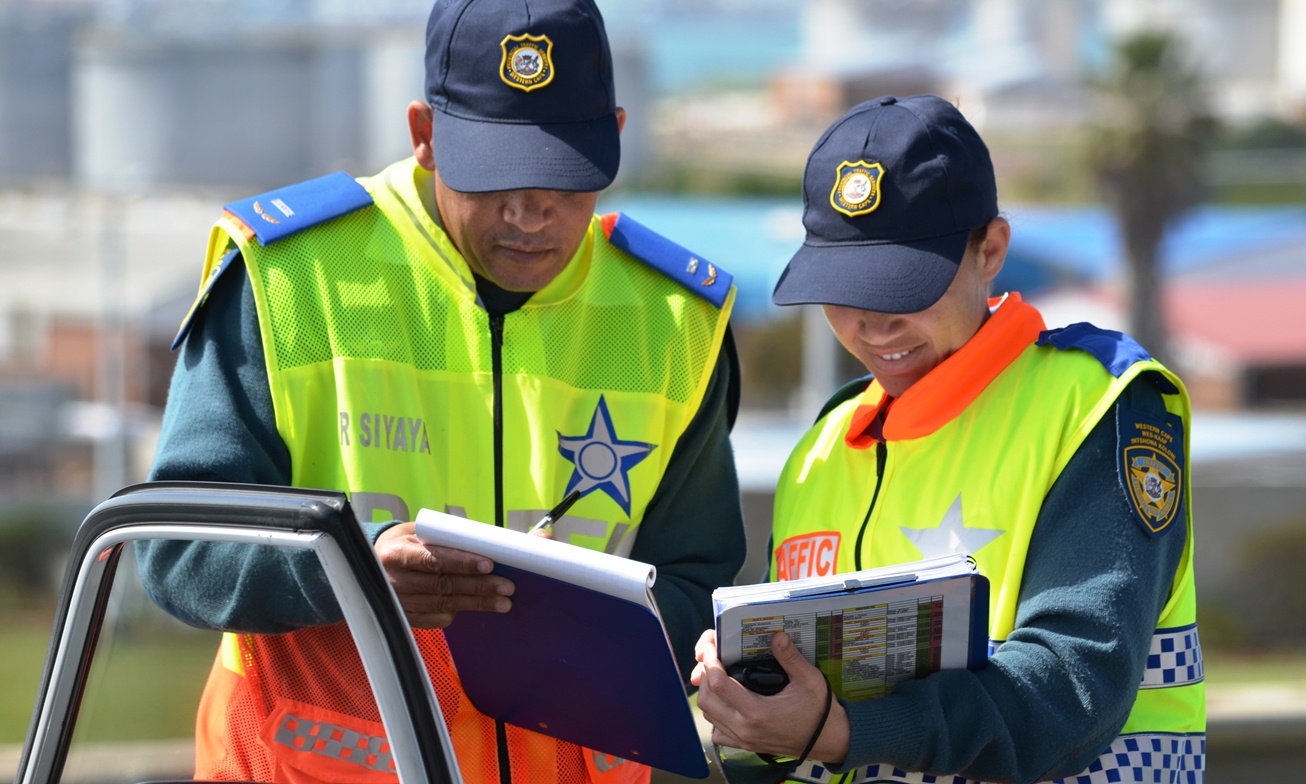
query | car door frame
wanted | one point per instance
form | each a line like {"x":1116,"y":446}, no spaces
{"x":317,"y":520}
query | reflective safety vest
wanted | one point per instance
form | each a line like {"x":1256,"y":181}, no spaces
{"x":927,"y":481}
{"x":392,"y":383}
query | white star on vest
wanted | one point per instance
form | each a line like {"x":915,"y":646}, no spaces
{"x":602,"y":460}
{"x":950,"y":536}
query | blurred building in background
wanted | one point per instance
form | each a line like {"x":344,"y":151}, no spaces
{"x":126,"y":124}
{"x":1016,"y":62}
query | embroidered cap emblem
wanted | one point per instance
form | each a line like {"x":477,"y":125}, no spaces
{"x":857,"y":188}
{"x":527,"y":61}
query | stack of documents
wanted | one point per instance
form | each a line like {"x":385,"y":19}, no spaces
{"x":868,"y":630}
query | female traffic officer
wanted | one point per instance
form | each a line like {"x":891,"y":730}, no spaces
{"x":1055,"y":458}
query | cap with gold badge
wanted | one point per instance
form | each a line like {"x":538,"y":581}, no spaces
{"x":891,"y":193}
{"x":523,"y":96}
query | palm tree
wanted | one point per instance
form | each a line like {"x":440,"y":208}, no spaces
{"x":1146,"y":152}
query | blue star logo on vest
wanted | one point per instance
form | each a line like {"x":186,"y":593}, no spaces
{"x":602,"y":460}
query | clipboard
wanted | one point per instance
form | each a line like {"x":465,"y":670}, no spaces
{"x":582,"y":656}
{"x":867,"y":630}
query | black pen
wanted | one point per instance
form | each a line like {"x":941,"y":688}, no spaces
{"x":549,"y":519}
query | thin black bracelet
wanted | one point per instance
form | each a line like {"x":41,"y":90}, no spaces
{"x":820,"y":725}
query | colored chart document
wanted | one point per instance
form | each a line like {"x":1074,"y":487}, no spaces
{"x":868,"y":630}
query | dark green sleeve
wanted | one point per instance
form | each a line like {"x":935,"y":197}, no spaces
{"x":693,"y":529}
{"x":1058,"y":690}
{"x":219,"y":425}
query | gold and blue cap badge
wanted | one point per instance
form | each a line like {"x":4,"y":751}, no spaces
{"x":891,"y":193}
{"x":527,"y":61}
{"x":857,"y":188}
{"x":522,"y":95}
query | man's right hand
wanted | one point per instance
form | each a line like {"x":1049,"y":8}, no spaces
{"x":436,"y":583}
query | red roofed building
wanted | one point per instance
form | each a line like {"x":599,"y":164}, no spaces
{"x":1237,"y":326}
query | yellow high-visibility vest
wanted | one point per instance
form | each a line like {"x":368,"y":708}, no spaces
{"x":979,"y":462}
{"x":390,"y":382}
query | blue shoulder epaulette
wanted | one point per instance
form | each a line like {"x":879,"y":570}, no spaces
{"x":1115,"y":350}
{"x":286,"y":211}
{"x":690,"y":270}
{"x":1150,"y":454}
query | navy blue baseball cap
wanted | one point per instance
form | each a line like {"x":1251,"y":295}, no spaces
{"x":522,"y":95}
{"x":891,"y":193}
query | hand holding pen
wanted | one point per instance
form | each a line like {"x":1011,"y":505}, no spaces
{"x":545,"y":525}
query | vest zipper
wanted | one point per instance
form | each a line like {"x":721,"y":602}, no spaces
{"x":496,"y":367}
{"x":881,"y":457}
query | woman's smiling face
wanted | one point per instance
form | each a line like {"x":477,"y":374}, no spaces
{"x":900,"y":348}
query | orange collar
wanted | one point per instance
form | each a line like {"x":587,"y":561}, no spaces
{"x":948,"y":389}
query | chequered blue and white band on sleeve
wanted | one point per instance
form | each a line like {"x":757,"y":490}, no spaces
{"x":1148,"y":757}
{"x":1175,"y":659}
{"x":815,"y":773}
{"x":1143,"y":758}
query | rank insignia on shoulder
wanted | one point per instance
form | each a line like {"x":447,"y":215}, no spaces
{"x":857,"y":188}
{"x":699,"y":276}
{"x":1150,"y":460}
{"x":281,"y":213}
{"x":527,"y":61}
{"x":1115,"y":350}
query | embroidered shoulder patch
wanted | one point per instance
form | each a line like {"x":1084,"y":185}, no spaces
{"x":281,"y":213}
{"x":1150,"y":458}
{"x":695,"y":273}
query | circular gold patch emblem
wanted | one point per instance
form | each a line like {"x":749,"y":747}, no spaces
{"x":527,"y":61}
{"x":857,"y":188}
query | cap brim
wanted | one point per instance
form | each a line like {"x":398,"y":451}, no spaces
{"x":903,"y":277}
{"x":474,"y":156}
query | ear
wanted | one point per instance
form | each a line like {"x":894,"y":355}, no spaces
{"x":419,"y":129}
{"x":992,"y":253}
{"x":621,"y":120}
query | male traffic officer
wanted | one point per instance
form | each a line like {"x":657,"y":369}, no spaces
{"x":459,"y":332}
{"x":1055,"y":458}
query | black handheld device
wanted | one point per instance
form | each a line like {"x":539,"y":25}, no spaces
{"x":764,"y":676}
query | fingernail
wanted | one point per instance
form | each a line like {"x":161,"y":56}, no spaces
{"x":502,"y":605}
